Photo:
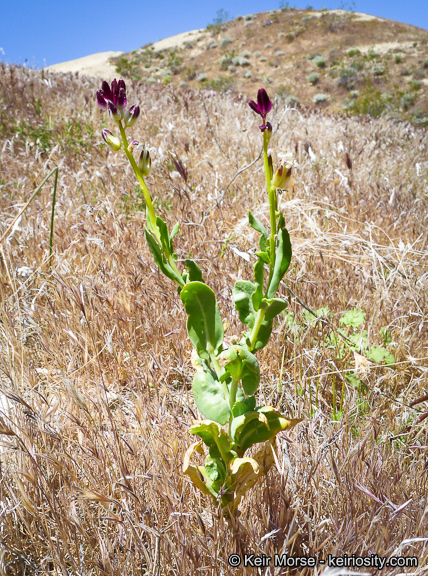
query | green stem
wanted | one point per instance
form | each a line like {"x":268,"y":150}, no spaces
{"x":257,"y":325}
{"x":272,"y":205}
{"x":216,"y":365}
{"x":147,"y":198}
{"x":141,"y":182}
{"x":232,"y":399}
{"x":272,"y":209}
{"x":233,"y":391}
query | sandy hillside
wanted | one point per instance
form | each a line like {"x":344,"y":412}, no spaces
{"x":93,"y":65}
{"x":99,"y":64}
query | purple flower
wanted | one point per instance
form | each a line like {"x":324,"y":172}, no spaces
{"x":113,"y":99}
{"x":116,"y":94}
{"x":267,"y":126}
{"x":263,"y":106}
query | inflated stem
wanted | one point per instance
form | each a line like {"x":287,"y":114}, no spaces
{"x":150,"y":208}
{"x":272,"y":203}
{"x":141,"y":182}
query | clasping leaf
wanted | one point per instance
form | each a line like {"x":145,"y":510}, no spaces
{"x":204,"y":323}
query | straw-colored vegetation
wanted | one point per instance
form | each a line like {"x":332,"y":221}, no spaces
{"x":95,"y":368}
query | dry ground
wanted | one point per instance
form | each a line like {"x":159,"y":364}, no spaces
{"x":358,"y":62}
{"x":95,"y":363}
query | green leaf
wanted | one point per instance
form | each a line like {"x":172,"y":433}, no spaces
{"x":354,"y":318}
{"x":208,"y":431}
{"x":263,"y":255}
{"x":263,"y":335}
{"x":195,"y":273}
{"x":209,"y":397}
{"x":257,"y":225}
{"x":354,"y":380}
{"x":273,"y":307}
{"x":217,"y":440}
{"x":258,"y":282}
{"x":242,"y":295}
{"x":174,"y":231}
{"x":160,"y":259}
{"x":212,"y":487}
{"x":378,"y":355}
{"x":204,"y":323}
{"x":216,"y":470}
{"x":258,"y":426}
{"x":244,"y":406}
{"x":164,"y":236}
{"x":282,"y":261}
{"x":242,"y":365}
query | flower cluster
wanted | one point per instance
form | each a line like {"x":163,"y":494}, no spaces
{"x":113,"y":99}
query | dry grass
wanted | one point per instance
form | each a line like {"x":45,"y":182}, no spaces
{"x":95,"y":364}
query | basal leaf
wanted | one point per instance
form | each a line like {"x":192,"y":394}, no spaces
{"x":204,"y":323}
{"x":192,"y":471}
{"x":245,"y":472}
{"x":258,"y":426}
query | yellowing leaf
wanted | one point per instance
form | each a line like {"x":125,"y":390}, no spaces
{"x":193,"y":471}
{"x":246,"y":471}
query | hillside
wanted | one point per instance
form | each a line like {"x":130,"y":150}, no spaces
{"x":96,"y":375}
{"x":337,"y":60}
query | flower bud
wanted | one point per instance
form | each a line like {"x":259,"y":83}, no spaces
{"x":133,"y":144}
{"x":112,"y":141}
{"x":131,"y":116}
{"x":144,"y":163}
{"x":269,"y":156}
{"x":102,"y":103}
{"x":121,"y":99}
{"x":113,"y":112}
{"x":282,"y":177}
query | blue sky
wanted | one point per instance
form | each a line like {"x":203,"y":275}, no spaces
{"x":44,"y":32}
